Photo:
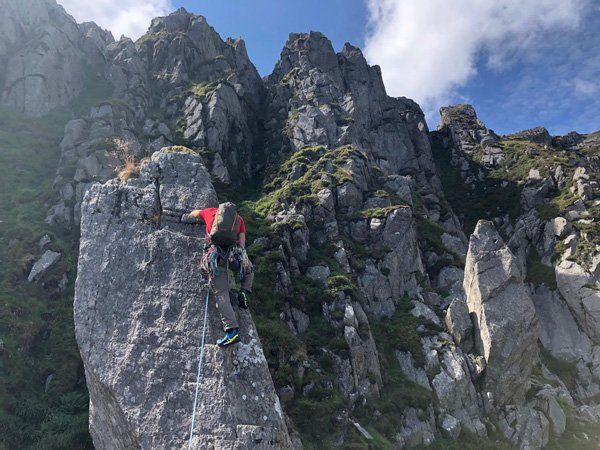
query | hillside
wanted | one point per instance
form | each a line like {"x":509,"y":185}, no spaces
{"x":413,"y":287}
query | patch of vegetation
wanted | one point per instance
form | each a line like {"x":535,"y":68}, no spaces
{"x":341,"y":283}
{"x":557,"y":205}
{"x":43,"y":401}
{"x":321,"y":168}
{"x":577,"y":435}
{"x":129,"y":167}
{"x":522,"y":156}
{"x":494,"y":196}
{"x":431,"y":233}
{"x":377,"y":212}
{"x":204,"y":89}
{"x":151,"y":38}
{"x":539,"y":273}
{"x":181,"y":149}
{"x":320,"y":334}
{"x":399,"y":332}
{"x":314,"y":415}
{"x":589,"y":239}
{"x":564,"y":370}
{"x":469,"y":441}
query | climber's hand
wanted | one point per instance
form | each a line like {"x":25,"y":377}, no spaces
{"x":171,"y":213}
{"x":190,"y":218}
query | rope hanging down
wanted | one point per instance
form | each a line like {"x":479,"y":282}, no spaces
{"x":199,"y":369}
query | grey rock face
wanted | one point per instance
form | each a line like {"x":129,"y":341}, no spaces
{"x":525,"y":427}
{"x":506,"y":327}
{"x":455,"y":391}
{"x":418,"y":428}
{"x":181,"y":180}
{"x":459,"y":324}
{"x":319,"y":273}
{"x":576,"y":286}
{"x":559,"y":333}
{"x":323,"y":98}
{"x":538,"y":135}
{"x":43,"y":55}
{"x":221,"y":110}
{"x":451,"y":426}
{"x":463,"y":126}
{"x":42,"y":265}
{"x":415,"y":374}
{"x":547,"y":403}
{"x":139,"y":303}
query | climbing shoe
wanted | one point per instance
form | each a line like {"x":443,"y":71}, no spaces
{"x":231,"y":337}
{"x":243,"y":297}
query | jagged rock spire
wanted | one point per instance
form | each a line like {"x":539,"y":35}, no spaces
{"x":139,"y":303}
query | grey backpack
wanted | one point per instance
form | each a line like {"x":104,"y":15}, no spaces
{"x":225,"y":226}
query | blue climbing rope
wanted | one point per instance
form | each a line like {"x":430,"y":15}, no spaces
{"x":199,"y":368}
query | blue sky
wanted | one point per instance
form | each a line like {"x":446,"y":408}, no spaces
{"x":266,"y":24}
{"x":521,"y":63}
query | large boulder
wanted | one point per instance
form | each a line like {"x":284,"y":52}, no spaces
{"x":559,"y":332}
{"x":139,"y":304}
{"x":504,"y":319}
{"x":456,"y":392}
{"x":42,"y":265}
{"x":578,"y":288}
{"x":539,"y":135}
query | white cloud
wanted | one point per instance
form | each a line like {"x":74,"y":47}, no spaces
{"x":428,"y":49}
{"x":586,"y":88}
{"x":123,"y":17}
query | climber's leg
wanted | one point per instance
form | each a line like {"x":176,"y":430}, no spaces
{"x":246,"y":290}
{"x":220,"y":284}
{"x":247,"y":281}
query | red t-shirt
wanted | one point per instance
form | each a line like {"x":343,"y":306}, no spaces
{"x":208,"y":215}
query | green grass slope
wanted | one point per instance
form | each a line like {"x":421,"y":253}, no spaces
{"x":43,"y":399}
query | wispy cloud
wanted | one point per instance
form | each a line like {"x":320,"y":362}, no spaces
{"x":123,"y":17}
{"x":429,"y":49}
{"x":586,"y":87}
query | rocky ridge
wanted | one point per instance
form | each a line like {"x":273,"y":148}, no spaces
{"x":376,"y":312}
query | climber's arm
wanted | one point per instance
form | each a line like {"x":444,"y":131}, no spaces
{"x":242,"y":240}
{"x":194,"y":216}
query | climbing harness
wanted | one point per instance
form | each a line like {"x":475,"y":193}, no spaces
{"x":199,"y":368}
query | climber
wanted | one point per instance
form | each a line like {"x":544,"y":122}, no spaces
{"x":225,"y":249}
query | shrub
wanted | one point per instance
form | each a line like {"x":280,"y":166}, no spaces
{"x":538,"y":273}
{"x":128,"y":167}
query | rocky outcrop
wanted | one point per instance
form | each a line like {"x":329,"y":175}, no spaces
{"x":539,"y":135}
{"x":91,"y":150}
{"x":456,"y":392}
{"x":504,"y":316}
{"x":318,"y":97}
{"x":45,"y":55}
{"x":138,"y":310}
{"x":462,"y":126}
{"x":180,"y":82}
{"x":577,"y":287}
{"x":42,"y":265}
{"x":211,"y":91}
{"x":559,"y":333}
